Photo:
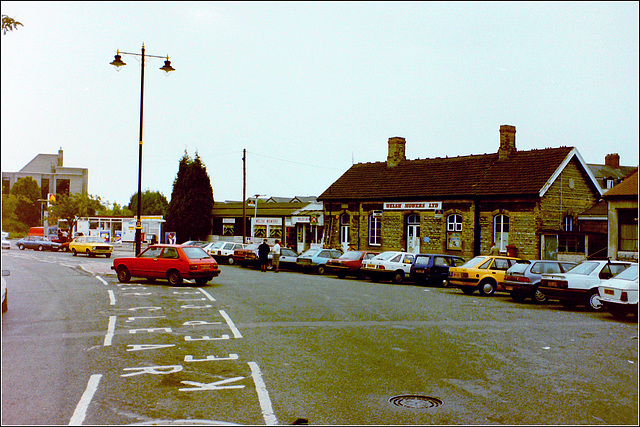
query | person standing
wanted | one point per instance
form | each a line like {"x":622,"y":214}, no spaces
{"x":494,"y":249}
{"x":276,"y":256}
{"x":263,"y":255}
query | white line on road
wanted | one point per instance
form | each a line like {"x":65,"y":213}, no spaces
{"x":102,"y":280}
{"x":81,"y":409}
{"x":110,"y":331}
{"x":236,"y":332}
{"x":112,"y":297}
{"x":206,"y":294}
{"x":263,"y":395}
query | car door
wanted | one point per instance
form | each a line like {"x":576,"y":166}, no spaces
{"x":440,"y":268}
{"x":407,"y":261}
{"x":165,"y":261}
{"x":146,"y":263}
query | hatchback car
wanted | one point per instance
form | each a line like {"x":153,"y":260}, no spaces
{"x":200,"y":243}
{"x":171,"y":262}
{"x":247,"y":256}
{"x":579,"y":286}
{"x":288,"y":259}
{"x":37,"y":243}
{"x":90,"y":245}
{"x":523,"y":278}
{"x":390,"y":265}
{"x":433,"y":269}
{"x":316,"y":259}
{"x":350,"y":264}
{"x":223,"y":251}
{"x":619,"y":295}
{"x":484,"y":273}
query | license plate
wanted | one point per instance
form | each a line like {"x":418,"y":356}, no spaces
{"x":205,"y":267}
{"x":419,"y":270}
{"x":552,"y":284}
{"x":608,"y":291}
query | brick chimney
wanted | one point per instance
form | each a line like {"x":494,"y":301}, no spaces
{"x":396,"y":151}
{"x":612,"y":160}
{"x":507,"y":141}
{"x":60,"y":157}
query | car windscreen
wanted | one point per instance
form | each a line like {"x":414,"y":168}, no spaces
{"x":631,"y":273}
{"x":310,"y":252}
{"x":584,"y":268}
{"x":195,"y":253}
{"x":518,"y":268}
{"x":385,"y":255}
{"x":94,"y":240}
{"x":473,"y":262}
{"x":351,"y":255}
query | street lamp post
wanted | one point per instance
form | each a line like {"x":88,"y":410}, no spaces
{"x":255,"y":214}
{"x":117,"y":63}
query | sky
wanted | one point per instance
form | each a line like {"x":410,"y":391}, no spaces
{"x":310,"y":88}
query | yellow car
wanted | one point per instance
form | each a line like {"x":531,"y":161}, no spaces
{"x":484,"y":273}
{"x":90,"y":245}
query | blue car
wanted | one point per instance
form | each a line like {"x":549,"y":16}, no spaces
{"x":37,"y":243}
{"x":316,"y":259}
{"x":433,"y":269}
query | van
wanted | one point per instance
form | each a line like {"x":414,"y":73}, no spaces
{"x":39,"y":231}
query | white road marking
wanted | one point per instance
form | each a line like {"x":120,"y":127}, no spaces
{"x":81,"y":409}
{"x":236,"y":332}
{"x":263,"y":395}
{"x":110,"y":331}
{"x":207,"y":295}
{"x":112,"y":297}
{"x":102,"y":280}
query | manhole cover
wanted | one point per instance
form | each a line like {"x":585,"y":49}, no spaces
{"x":415,"y":401}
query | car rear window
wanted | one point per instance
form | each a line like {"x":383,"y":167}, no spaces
{"x":195,"y":253}
{"x":473,"y":262}
{"x":519,"y":268}
{"x":422,"y":259}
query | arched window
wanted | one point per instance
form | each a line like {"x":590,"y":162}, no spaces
{"x":501,"y":231}
{"x":454,"y":232}
{"x":567,"y":223}
{"x":375,"y":228}
{"x":344,"y":229}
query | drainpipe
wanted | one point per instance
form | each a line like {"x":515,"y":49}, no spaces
{"x":477,"y":237}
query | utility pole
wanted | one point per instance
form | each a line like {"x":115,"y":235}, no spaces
{"x":244,"y":196}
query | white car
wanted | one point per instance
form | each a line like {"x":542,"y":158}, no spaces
{"x":5,"y":244}
{"x":619,"y":295}
{"x":223,"y":251}
{"x":579,"y":286}
{"x":389,"y":265}
{"x":4,"y":290}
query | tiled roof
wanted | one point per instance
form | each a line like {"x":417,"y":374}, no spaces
{"x":522,"y":173}
{"x":627,"y":188}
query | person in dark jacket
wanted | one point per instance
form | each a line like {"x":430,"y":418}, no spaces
{"x":263,"y":255}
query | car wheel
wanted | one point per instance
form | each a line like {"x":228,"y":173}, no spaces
{"x":40,"y":248}
{"x":21,"y":247}
{"x":174,"y":278}
{"x":75,"y":253}
{"x":89,"y":254}
{"x":538,"y":297}
{"x":123,"y":273}
{"x":487,"y":288}
{"x":108,"y":255}
{"x":398,"y":277}
{"x":321,"y":269}
{"x":5,"y":305}
{"x":468,"y":290}
{"x":230,"y":261}
{"x":593,"y":301}
{"x":202,"y":280}
{"x":340,"y":275}
{"x":567,"y":303}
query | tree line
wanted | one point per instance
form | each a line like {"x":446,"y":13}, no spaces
{"x":188,"y":214}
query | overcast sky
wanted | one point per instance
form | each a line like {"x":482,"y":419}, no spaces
{"x":309,"y":88}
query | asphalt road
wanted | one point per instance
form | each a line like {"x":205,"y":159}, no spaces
{"x":270,"y":348}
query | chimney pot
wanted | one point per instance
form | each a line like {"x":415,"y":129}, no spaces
{"x":507,"y":141}
{"x":612,"y":160}
{"x":396,"y":151}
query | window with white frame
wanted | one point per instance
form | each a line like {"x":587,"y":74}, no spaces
{"x":567,"y":223}
{"x":375,"y":228}
{"x":344,"y":229}
{"x":454,"y":232}
{"x":501,"y":231}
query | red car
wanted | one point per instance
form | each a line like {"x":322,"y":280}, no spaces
{"x":247,"y":256}
{"x":349,"y":263}
{"x":171,"y":262}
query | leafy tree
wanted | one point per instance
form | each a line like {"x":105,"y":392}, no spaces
{"x":9,"y":24}
{"x":72,"y":206}
{"x":189,"y":212}
{"x":27,"y":208}
{"x":153,"y":203}
{"x":10,"y":221}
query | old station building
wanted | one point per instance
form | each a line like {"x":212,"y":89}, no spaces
{"x":528,"y":202}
